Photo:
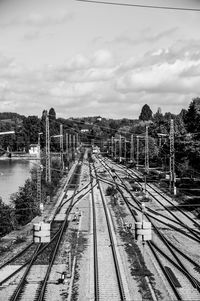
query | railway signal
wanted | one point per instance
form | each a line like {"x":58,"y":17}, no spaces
{"x":41,"y":232}
{"x":142,"y":228}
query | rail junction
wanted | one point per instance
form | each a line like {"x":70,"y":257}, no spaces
{"x":95,"y":253}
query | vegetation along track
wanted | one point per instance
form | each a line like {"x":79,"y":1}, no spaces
{"x":176,"y":263}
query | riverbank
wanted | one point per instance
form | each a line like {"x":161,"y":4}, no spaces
{"x":18,"y":157}
{"x":18,"y":239}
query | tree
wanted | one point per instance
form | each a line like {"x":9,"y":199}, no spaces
{"x":25,"y":202}
{"x":52,"y":115}
{"x":146,"y":113}
{"x":6,"y":220}
{"x":192,"y":117}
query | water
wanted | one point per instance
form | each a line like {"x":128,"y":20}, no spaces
{"x":13,"y":173}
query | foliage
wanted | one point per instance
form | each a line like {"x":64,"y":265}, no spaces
{"x":111,"y":191}
{"x":25,"y":203}
{"x":192,"y":116}
{"x":6,"y":224}
{"x":146,"y":113}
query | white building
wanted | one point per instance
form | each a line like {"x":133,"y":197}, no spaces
{"x":34,"y":150}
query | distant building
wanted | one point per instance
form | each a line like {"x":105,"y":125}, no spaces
{"x":34,"y":150}
{"x":98,"y":118}
{"x":85,"y":128}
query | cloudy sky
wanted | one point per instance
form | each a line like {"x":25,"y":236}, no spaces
{"x":87,"y":59}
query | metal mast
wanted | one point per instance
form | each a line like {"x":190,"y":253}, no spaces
{"x":147,"y":150}
{"x":61,"y":146}
{"x":39,"y":173}
{"x":137,"y":157}
{"x":48,"y":158}
{"x":115,"y":150}
{"x":112,"y":146}
{"x":120,"y":148}
{"x":172,"y":158}
{"x":132,"y":150}
{"x":70,"y":144}
{"x":77,"y":140}
{"x":74,"y":145}
{"x":125,"y":148}
{"x":67,"y":143}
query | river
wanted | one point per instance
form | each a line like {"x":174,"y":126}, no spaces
{"x":13,"y":173}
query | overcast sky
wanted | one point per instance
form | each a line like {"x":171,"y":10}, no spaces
{"x":86,"y":59}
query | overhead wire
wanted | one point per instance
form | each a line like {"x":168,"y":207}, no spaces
{"x":193,"y":9}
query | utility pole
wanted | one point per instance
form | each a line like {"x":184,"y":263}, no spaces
{"x":125,"y":149}
{"x":39,"y":172}
{"x":67,"y":143}
{"x":120,"y":148}
{"x":172,"y":175}
{"x":132,"y":150}
{"x":48,"y":158}
{"x":67,"y":149}
{"x":147,"y":151}
{"x":74,"y":145}
{"x":77,"y":140}
{"x":112,"y":147}
{"x":61,"y":146}
{"x":115,"y":146}
{"x":137,"y":157}
{"x":70,"y":143}
{"x":146,"y":159}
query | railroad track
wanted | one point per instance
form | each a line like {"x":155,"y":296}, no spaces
{"x":164,"y":203}
{"x":21,"y":287}
{"x":108,"y":283}
{"x":177,"y":263}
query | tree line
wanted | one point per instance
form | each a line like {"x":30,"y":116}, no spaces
{"x":187,"y":148}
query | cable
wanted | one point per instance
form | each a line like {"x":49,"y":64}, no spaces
{"x":141,"y":6}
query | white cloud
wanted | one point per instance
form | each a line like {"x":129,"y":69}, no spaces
{"x":103,"y":58}
{"x":39,"y":20}
{"x":97,"y":83}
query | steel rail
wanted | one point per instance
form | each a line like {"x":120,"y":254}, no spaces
{"x":33,"y":258}
{"x":41,"y":293}
{"x":96,"y":272}
{"x":192,"y":231}
{"x":164,"y":197}
{"x":17,"y":255}
{"x":53,"y":255}
{"x":193,"y":281}
{"x":117,"y":268}
{"x":176,"y":292}
{"x":21,"y":284}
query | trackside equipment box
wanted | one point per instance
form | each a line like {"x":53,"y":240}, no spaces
{"x":41,"y":232}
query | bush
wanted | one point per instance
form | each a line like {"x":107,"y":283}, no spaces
{"x":6,"y":224}
{"x":111,"y":190}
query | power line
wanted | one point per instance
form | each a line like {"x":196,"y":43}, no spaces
{"x":141,"y":6}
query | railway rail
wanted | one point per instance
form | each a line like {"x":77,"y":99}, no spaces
{"x":21,"y":289}
{"x":177,"y":263}
{"x":108,"y":281}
